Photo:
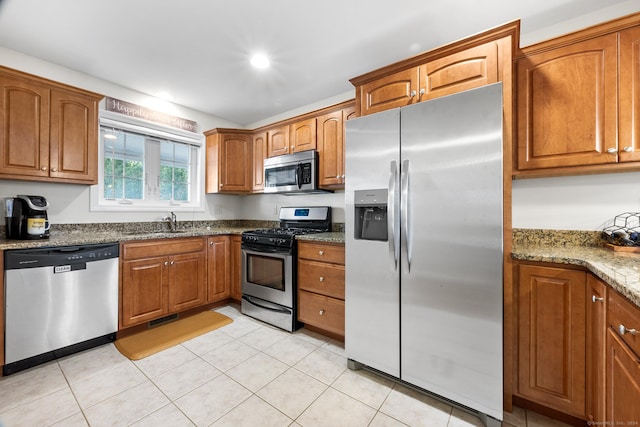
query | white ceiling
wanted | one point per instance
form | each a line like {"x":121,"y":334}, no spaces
{"x":198,"y":50}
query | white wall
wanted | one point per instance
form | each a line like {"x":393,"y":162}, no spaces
{"x":574,"y":202}
{"x":265,"y":206}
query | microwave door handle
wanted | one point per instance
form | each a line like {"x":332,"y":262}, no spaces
{"x":299,"y":176}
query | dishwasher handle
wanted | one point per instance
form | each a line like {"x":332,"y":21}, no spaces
{"x":59,"y":256}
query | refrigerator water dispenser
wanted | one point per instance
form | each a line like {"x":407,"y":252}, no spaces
{"x":371,"y":215}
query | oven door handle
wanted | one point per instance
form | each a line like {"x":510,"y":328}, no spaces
{"x":277,"y":310}
{"x":261,"y":249}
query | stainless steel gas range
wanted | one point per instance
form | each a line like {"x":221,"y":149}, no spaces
{"x":269,"y":273}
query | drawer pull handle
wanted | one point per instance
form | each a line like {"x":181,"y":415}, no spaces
{"x":596,"y":299}
{"x":623,"y":330}
{"x":320,"y":253}
{"x":321,"y":279}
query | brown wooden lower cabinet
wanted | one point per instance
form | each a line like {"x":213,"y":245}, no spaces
{"x":236,"y":268}
{"x":551,"y":338}
{"x":321,"y":286}
{"x":218,"y":268}
{"x":578,"y":346}
{"x":622,"y":362}
{"x":596,"y":348}
{"x":160,"y":278}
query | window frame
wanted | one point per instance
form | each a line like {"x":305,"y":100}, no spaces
{"x":157,"y":132}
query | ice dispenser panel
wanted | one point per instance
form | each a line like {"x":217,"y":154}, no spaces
{"x":371,"y":215}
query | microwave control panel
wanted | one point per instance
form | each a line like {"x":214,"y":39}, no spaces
{"x":306,"y":173}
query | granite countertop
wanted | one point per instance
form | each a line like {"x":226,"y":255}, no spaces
{"x":621,"y":270}
{"x":330,"y":237}
{"x":85,"y":234}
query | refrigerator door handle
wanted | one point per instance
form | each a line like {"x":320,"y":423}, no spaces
{"x":394,"y":237}
{"x":404,"y":209}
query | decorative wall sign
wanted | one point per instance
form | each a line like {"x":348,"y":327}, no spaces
{"x":139,"y":112}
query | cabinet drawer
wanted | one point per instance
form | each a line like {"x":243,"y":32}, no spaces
{"x":624,"y":314}
{"x":322,"y":312}
{"x":321,"y":252}
{"x":321,"y":278}
{"x":162,"y":247}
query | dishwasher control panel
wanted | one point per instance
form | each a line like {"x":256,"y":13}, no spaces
{"x":62,"y":256}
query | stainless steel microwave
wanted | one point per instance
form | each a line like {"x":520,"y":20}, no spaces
{"x":292,"y":173}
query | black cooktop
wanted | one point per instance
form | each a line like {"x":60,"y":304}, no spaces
{"x":293,"y":222}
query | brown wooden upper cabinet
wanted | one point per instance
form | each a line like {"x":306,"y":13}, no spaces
{"x":443,"y":75}
{"x":49,"y":131}
{"x":302,"y":136}
{"x":278,"y":141}
{"x":331,"y":139}
{"x":575,"y":102}
{"x":259,"y":154}
{"x":228,"y":161}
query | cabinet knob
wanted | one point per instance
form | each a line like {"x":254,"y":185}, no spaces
{"x":320,"y":253}
{"x":44,"y":168}
{"x":221,"y":185}
{"x":342,"y":176}
{"x":54,"y":169}
{"x":422,"y":91}
{"x":596,"y":299}
{"x":612,"y":150}
{"x":172,"y":262}
{"x":321,"y":312}
{"x":623,"y":330}
{"x":166,"y":263}
{"x":628,"y":149}
{"x":413,"y":93}
{"x":321,"y":279}
{"x":337,"y":176}
{"x":211,"y":243}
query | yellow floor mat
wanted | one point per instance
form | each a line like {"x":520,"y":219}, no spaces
{"x":151,"y":341}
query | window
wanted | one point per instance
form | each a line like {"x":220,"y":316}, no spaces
{"x":144,"y":168}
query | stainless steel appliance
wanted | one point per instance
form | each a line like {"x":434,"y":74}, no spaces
{"x":58,"y":301}
{"x":269,"y":265}
{"x":424,"y":247}
{"x":26,"y":217}
{"x":292,"y":173}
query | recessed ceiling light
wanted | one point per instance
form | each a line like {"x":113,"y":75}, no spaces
{"x":260,"y":60}
{"x":164,"y":95}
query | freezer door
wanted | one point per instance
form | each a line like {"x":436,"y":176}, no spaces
{"x":372,"y":295}
{"x":451,"y":292}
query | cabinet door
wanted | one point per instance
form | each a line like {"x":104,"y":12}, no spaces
{"x":187,"y":281}
{"x":623,"y":382}
{"x":471,"y":68}
{"x":144,"y":289}
{"x":235,"y":173}
{"x":566,"y":105}
{"x":551,"y":334}
{"x":278,"y":141}
{"x":331,"y":150}
{"x":629,"y":93}
{"x":397,"y":90}
{"x":74,"y":137}
{"x":302,"y":136}
{"x":236,"y":268}
{"x":24,"y":128}
{"x":259,"y":154}
{"x":596,"y":348}
{"x":218,"y":268}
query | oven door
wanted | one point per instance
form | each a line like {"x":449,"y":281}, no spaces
{"x":267,"y":273}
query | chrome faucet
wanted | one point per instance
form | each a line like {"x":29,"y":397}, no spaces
{"x":173,"y":221}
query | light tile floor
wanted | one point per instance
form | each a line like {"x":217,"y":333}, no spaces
{"x":243,"y":374}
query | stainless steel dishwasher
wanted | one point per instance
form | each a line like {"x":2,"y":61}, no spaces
{"x":58,"y":301}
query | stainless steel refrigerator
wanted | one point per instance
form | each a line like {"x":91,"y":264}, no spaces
{"x":423,"y":227}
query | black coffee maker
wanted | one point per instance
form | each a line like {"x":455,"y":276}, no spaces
{"x":26,"y":217}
